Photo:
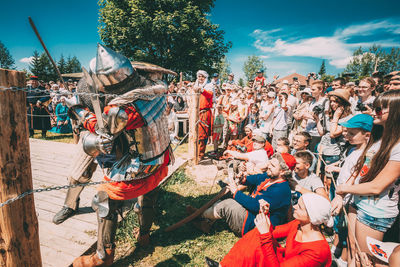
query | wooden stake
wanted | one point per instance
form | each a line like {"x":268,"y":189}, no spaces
{"x":19,"y":235}
{"x":193,"y":127}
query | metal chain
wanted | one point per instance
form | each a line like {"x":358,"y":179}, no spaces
{"x":46,"y":93}
{"x":47,"y":189}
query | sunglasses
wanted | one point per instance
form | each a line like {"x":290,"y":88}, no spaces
{"x":379,"y":111}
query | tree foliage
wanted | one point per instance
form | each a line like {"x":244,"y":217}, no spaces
{"x":223,"y":68}
{"x":72,"y":65}
{"x":6,"y":60}
{"x":42,"y":67}
{"x":250,"y":67}
{"x":322,"y":69}
{"x":241,"y":82}
{"x":175,"y":34}
{"x":365,"y":61}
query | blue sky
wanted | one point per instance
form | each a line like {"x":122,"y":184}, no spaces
{"x":290,"y":36}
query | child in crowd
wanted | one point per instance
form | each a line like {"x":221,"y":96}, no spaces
{"x":218,"y":125}
{"x":303,"y":180}
{"x":358,"y":132}
{"x":282,"y":145}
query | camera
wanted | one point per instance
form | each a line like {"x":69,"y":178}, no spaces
{"x":362,"y":107}
{"x":318,"y":109}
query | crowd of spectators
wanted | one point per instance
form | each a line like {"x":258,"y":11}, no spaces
{"x":297,"y":158}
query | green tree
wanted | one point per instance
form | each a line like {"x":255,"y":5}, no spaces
{"x":365,"y":61}
{"x":175,"y":34}
{"x":6,"y":60}
{"x":42,"y":67}
{"x":73,"y":65}
{"x":62,"y":64}
{"x":223,"y":69}
{"x":241,"y":82}
{"x":322,"y":69}
{"x":250,"y":67}
{"x":327,"y":78}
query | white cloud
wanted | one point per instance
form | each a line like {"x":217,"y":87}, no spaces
{"x":337,"y":49}
{"x":27,"y":60}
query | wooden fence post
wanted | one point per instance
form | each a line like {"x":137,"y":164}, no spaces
{"x":19,"y":234}
{"x":193,"y":127}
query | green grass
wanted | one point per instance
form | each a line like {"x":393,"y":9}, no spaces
{"x":186,"y":246}
{"x":50,"y":136}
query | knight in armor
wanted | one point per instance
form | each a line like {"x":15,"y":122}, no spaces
{"x":205,"y":105}
{"x":127,"y":134}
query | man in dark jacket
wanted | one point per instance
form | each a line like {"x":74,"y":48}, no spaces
{"x":240,"y":210}
{"x":38,"y":114}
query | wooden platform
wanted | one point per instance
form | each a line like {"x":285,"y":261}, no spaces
{"x":61,"y":244}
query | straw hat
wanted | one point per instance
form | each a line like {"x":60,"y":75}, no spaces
{"x":341,"y":93}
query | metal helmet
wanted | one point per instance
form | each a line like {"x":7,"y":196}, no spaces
{"x":109,"y":68}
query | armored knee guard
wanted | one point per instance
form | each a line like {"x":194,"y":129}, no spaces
{"x":145,"y":209}
{"x":107,"y":217}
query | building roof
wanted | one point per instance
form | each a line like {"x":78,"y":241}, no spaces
{"x":302,"y":79}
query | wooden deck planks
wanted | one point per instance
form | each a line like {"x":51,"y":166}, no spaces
{"x":61,"y":244}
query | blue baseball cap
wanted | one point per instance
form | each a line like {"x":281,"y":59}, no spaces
{"x":260,"y":70}
{"x":362,"y":121}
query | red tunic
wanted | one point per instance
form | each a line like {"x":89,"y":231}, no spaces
{"x":205,"y":116}
{"x":254,"y":249}
{"x":135,"y":188}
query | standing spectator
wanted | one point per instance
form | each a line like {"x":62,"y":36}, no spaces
{"x":231,"y":78}
{"x":338,"y":83}
{"x":259,"y":81}
{"x":38,"y":114}
{"x":218,"y":126}
{"x":252,"y":118}
{"x":332,"y":141}
{"x":206,"y":102}
{"x":279,"y":123}
{"x":244,"y":112}
{"x":365,"y":96}
{"x":233,"y":121}
{"x":375,"y":181}
{"x":299,"y":122}
{"x":315,"y":113}
{"x":267,"y":114}
{"x":394,"y":83}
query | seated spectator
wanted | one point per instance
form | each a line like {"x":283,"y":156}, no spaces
{"x":301,"y":142}
{"x":243,"y":145}
{"x":305,"y":246}
{"x":256,"y":157}
{"x":63,"y":122}
{"x":240,"y":210}
{"x":282,"y":145}
{"x":303,"y":180}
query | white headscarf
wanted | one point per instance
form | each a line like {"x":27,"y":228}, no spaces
{"x":203,"y":73}
{"x":318,"y":209}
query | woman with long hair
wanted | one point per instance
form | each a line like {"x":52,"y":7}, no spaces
{"x":375,"y":181}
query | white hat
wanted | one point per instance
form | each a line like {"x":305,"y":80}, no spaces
{"x":285,"y":82}
{"x":318,"y":209}
{"x":381,"y":250}
{"x":307,"y":91}
{"x":271,"y":94}
{"x":203,"y":73}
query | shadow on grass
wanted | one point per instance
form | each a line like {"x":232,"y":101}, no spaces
{"x":171,"y":209}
